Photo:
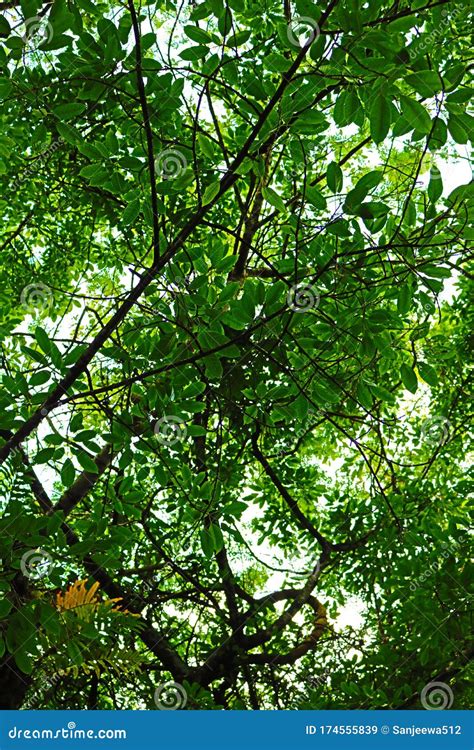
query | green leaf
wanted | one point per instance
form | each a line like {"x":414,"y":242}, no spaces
{"x":39,"y":378}
{"x":68,"y":111}
{"x":68,"y":133}
{"x":196,"y":430}
{"x":436,"y":272}
{"x":380,"y":118}
{"x":439,"y":134}
{"x":87,"y":463}
{"x":217,"y":538}
{"x":362,"y":188}
{"x":44,"y":455}
{"x":60,"y":17}
{"x":316,"y":198}
{"x":352,"y":106}
{"x":435,"y":185}
{"x":43,"y":340}
{"x":131,"y":212}
{"x":273,"y":199}
{"x":237,"y":39}
{"x":416,"y":114}
{"x":68,"y":473}
{"x":194,"y":53}
{"x":457,"y":130}
{"x":210,"y":192}
{"x":24,"y":662}
{"x":213,"y":364}
{"x":212,"y":540}
{"x":58,"y":41}
{"x":404,"y":299}
{"x":420,"y":332}
{"x":5,"y":608}
{"x":206,"y":146}
{"x":49,"y":618}
{"x":409,"y":378}
{"x":75,"y":652}
{"x":276,"y":63}
{"x":425,"y":82}
{"x":5,"y":28}
{"x":334,"y":177}
{"x":197,"y":34}
{"x":428,"y":373}
{"x":207,"y":543}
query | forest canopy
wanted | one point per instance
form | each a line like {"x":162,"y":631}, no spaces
{"x":236,"y":354}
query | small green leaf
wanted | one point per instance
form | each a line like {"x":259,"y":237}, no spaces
{"x":207,"y":543}
{"x":5,"y":607}
{"x":237,"y":39}
{"x":68,"y":473}
{"x":416,"y":114}
{"x":404,"y":299}
{"x":68,"y":111}
{"x":43,"y":340}
{"x":49,"y":618}
{"x":75,"y":652}
{"x":276,"y":63}
{"x":456,"y":129}
{"x":194,"y":53}
{"x":334,"y":177}
{"x":352,"y":106}
{"x":425,"y":82}
{"x":217,"y":538}
{"x":131,"y":212}
{"x":39,"y":378}
{"x":196,"y":430}
{"x":68,"y":133}
{"x":380,"y":117}
{"x":44,"y":455}
{"x":206,"y":145}
{"x":419,"y":332}
{"x":436,"y":272}
{"x":428,"y":373}
{"x":273,"y":199}
{"x":197,"y":34}
{"x":4,"y":26}
{"x":409,"y":378}
{"x":316,"y":198}
{"x":435,"y":185}
{"x":87,"y":463}
{"x":23,"y":661}
{"x":210,"y":192}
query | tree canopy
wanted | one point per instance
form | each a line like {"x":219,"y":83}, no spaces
{"x":236,"y":354}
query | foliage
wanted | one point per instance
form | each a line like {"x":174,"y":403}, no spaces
{"x":236,"y":340}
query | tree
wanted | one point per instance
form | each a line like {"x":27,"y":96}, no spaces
{"x":236,"y":343}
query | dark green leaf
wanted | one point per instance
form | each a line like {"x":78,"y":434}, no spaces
{"x":409,"y":378}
